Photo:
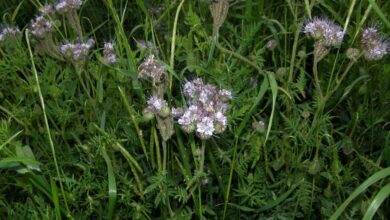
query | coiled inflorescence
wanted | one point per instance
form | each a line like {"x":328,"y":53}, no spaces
{"x":109,"y":53}
{"x":8,"y":32}
{"x":64,"y":6}
{"x":324,"y":30}
{"x":152,"y":69}
{"x":77,"y":52}
{"x":47,"y":9}
{"x":373,"y":44}
{"x":206,"y":112}
{"x":41,"y":27}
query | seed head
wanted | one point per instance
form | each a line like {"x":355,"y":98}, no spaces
{"x":373,"y":44}
{"x":324,"y":30}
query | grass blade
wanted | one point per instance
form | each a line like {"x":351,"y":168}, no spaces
{"x":46,"y":121}
{"x":379,"y":12}
{"x":112,"y":191}
{"x":370,"y":181}
{"x":377,"y":201}
{"x":54,"y":193}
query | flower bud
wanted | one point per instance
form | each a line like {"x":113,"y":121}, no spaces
{"x":352,"y":53}
{"x":314,"y":167}
{"x":164,"y":112}
{"x":147,"y":114}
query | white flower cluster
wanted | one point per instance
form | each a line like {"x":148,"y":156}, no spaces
{"x":325,"y":30}
{"x":41,"y":26}
{"x":374,"y":45}
{"x":64,"y":6}
{"x":206,"y":111}
{"x":8,"y":32}
{"x":77,"y":51}
{"x":109,"y":53}
{"x":152,"y":69}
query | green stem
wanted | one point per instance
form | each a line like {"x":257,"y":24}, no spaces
{"x":47,"y":124}
{"x":164,"y":145}
{"x":239,"y":56}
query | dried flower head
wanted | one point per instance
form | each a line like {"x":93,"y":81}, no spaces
{"x":152,"y":69}
{"x":207,"y":108}
{"x":109,"y":53}
{"x":64,"y":6}
{"x":271,"y":44}
{"x":373,"y":43}
{"x":77,"y":51}
{"x":9,"y":32}
{"x":41,"y":27}
{"x":324,"y":30}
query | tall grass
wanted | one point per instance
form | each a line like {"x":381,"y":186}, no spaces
{"x":305,"y":135}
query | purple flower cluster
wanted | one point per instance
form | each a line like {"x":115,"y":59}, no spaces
{"x":64,"y":6}
{"x":47,"y":9}
{"x":324,"y":30}
{"x":8,"y":32}
{"x":41,"y":26}
{"x":152,"y":69}
{"x":373,"y":44}
{"x":158,"y":106}
{"x":109,"y":53}
{"x":77,"y":51}
{"x":206,"y":111}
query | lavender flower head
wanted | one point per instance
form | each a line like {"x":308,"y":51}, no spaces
{"x":324,"y":30}
{"x":206,"y":112}
{"x":152,"y":69}
{"x":373,"y":44}
{"x":77,"y":51}
{"x":41,"y":26}
{"x":47,"y":9}
{"x":8,"y":32}
{"x":109,"y":53}
{"x":157,"y":106}
{"x":64,"y":6}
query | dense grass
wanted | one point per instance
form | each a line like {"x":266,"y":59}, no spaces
{"x":74,"y":143}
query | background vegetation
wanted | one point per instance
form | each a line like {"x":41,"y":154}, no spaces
{"x":96,"y":158}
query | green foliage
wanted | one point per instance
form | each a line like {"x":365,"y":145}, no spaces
{"x":318,"y":155}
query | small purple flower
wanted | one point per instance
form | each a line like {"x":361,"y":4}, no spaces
{"x":205,"y":128}
{"x":47,"y":9}
{"x":9,"y":32}
{"x":206,"y":109}
{"x":156,"y":104}
{"x":41,"y":27}
{"x":373,"y":44}
{"x":109,"y":53}
{"x":325,"y":30}
{"x":64,"y":6}
{"x":77,"y":51}
{"x":152,"y":69}
{"x":177,"y":112}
